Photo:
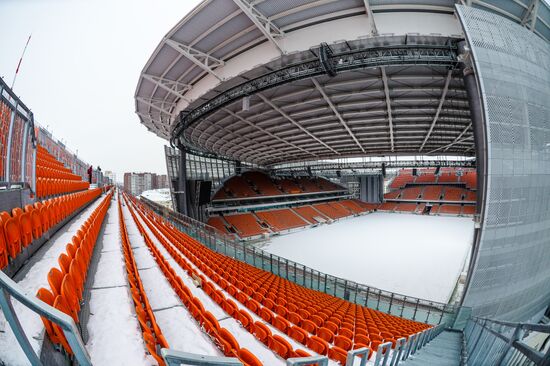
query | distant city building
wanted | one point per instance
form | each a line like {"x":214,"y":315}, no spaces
{"x":136,"y":183}
{"x":162,"y":181}
{"x":110,"y":175}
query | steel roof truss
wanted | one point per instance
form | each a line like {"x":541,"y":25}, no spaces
{"x":268,"y":28}
{"x":199,"y":58}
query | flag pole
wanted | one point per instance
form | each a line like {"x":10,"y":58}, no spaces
{"x":21,"y":59}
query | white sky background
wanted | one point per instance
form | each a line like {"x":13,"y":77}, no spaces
{"x":81,"y":69}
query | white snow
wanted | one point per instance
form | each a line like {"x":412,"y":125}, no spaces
{"x":161,"y":195}
{"x":414,"y":255}
{"x":37,"y":277}
{"x":177,"y":325}
{"x":114,"y":333}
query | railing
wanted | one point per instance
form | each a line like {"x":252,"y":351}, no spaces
{"x":493,"y":342}
{"x":9,"y":289}
{"x":17,"y":140}
{"x":388,"y":302}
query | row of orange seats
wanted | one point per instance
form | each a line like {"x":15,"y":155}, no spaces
{"x":45,"y":172}
{"x":67,"y":281}
{"x":22,"y":227}
{"x":48,"y":187}
{"x":313,"y":327}
{"x":45,"y":158}
{"x":221,"y":337}
{"x":151,"y":333}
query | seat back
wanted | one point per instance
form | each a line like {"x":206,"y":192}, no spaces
{"x":13,"y":236}
{"x":55,"y":278}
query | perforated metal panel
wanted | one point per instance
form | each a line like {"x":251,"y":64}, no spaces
{"x":511,"y":279}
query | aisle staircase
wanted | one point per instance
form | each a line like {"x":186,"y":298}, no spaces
{"x":443,"y":350}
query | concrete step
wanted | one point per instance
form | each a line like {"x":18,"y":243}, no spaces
{"x":443,"y":350}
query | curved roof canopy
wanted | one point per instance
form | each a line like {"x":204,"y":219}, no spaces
{"x":407,"y":99}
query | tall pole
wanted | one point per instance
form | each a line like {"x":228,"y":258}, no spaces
{"x":21,"y":59}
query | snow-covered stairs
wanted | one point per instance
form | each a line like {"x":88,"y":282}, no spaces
{"x":443,"y":350}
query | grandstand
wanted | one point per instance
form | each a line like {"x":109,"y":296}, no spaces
{"x":353,"y":183}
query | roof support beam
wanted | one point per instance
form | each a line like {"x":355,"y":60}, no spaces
{"x":388,"y":104}
{"x":438,"y":111}
{"x":267,"y":132}
{"x":199,"y":58}
{"x":530,"y":18}
{"x":269,"y":30}
{"x":368,"y":10}
{"x":291,"y":120}
{"x":457,"y":140}
{"x":171,"y":86}
{"x":157,"y":104}
{"x":460,"y":136}
{"x":338,"y":115}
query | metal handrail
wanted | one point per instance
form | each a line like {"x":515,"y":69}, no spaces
{"x":393,"y":303}
{"x":9,"y":289}
{"x":497,"y":342}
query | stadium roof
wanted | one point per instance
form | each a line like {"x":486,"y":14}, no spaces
{"x":412,"y":107}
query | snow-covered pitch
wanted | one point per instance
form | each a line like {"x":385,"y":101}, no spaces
{"x":414,"y":255}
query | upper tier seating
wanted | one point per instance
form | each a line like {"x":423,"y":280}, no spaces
{"x":427,"y":177}
{"x":454,"y":194}
{"x":282,"y":219}
{"x":412,"y":193}
{"x":245,"y":224}
{"x":263,"y":183}
{"x":393,"y":194}
{"x":256,"y":184}
{"x":289,"y":186}
{"x":239,"y":188}
{"x":402,"y":179}
{"x":432,"y":193}
{"x":470,"y":178}
{"x":53,"y":178}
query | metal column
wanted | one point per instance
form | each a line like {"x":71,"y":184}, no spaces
{"x":181,"y":194}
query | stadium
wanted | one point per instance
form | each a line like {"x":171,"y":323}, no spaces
{"x":353,"y":182}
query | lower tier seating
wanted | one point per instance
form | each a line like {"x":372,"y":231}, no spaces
{"x":282,"y":219}
{"x":245,"y":225}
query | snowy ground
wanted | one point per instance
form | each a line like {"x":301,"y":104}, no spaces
{"x":10,"y":351}
{"x":115,"y":337}
{"x":161,"y":196}
{"x":415,"y":255}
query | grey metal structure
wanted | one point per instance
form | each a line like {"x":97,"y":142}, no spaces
{"x":509,"y":276}
{"x":9,"y":289}
{"x":274,"y":82}
{"x":490,"y":342}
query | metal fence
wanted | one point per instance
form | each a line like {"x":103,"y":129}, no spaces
{"x":492,"y":342}
{"x":9,"y":289}
{"x":17,"y":140}
{"x":407,"y":307}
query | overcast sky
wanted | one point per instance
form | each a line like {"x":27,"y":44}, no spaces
{"x":81,"y":70}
